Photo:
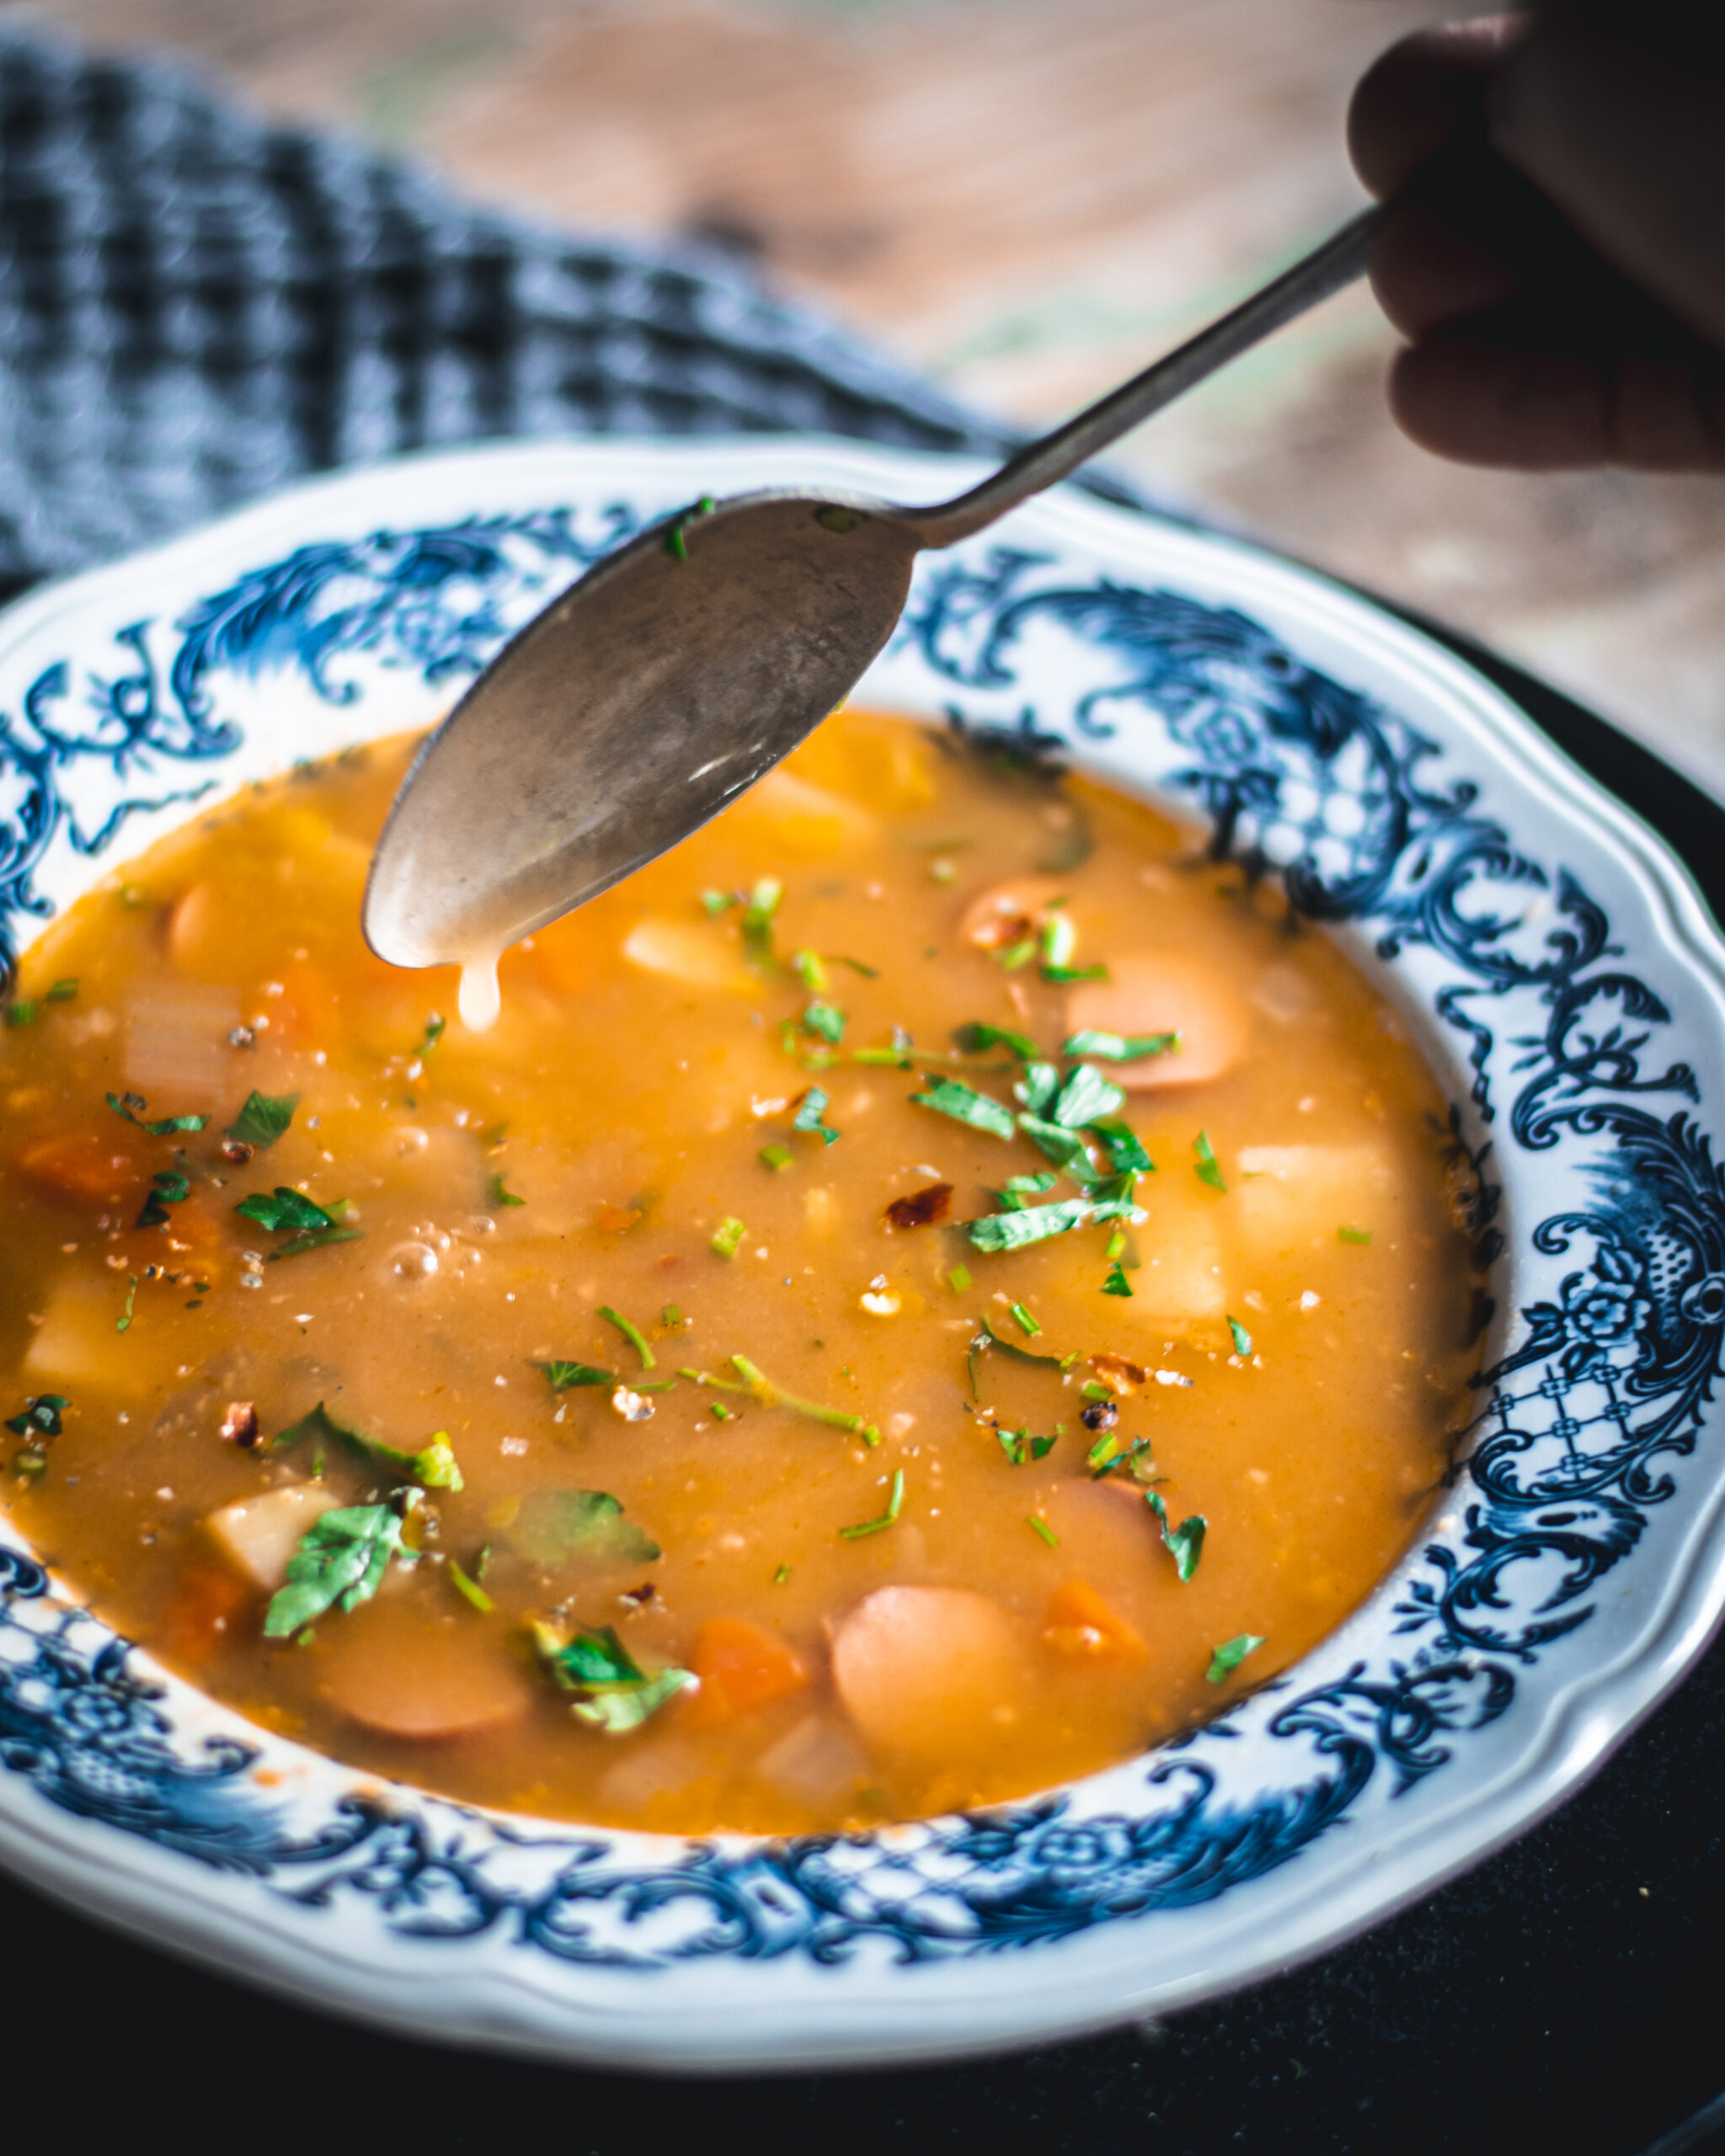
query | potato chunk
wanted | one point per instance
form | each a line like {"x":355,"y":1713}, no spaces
{"x":685,"y":952}
{"x":742,"y":1667}
{"x":1165,"y":992}
{"x":258,"y":1535}
{"x":426,"y":1691}
{"x":1286,"y":1196}
{"x":930,"y":1671}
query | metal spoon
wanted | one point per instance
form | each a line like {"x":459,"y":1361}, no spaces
{"x":682,"y":667}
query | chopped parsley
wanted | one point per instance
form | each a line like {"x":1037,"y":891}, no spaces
{"x":41,"y":1416}
{"x":894,"y":1505}
{"x":309,"y":1225}
{"x":1030,"y":1224}
{"x":1117,"y":1283}
{"x":498,"y":1194}
{"x":714,"y":902}
{"x":263,"y":1119}
{"x":1242,"y":1338}
{"x":959,"y":1279}
{"x":613,"y":1692}
{"x":1060,"y":937}
{"x":339,"y":1563}
{"x":1019,"y":1446}
{"x":552,"y":1526}
{"x":1184,"y":1543}
{"x":1017,"y":1192}
{"x":988,"y":1338}
{"x":1208,"y":1169}
{"x":632,"y":1333}
{"x":976,"y":1039}
{"x":813,"y":1106}
{"x":753,"y":1381}
{"x":23,"y":1013}
{"x":728,"y":1237}
{"x":1085,"y":1096}
{"x":561,"y":1375}
{"x":675,"y":543}
{"x":807,"y":967}
{"x":1354,"y":1234}
{"x":778,"y":1158}
{"x":1228,"y":1656}
{"x":470,"y":1589}
{"x":432,"y":1467}
{"x":781,"y":1577}
{"x":129,"y":1105}
{"x":1109,"y":1454}
{"x":1120,"y":1048}
{"x":756,"y":927}
{"x":1126,"y":1154}
{"x":168,"y":1187}
{"x":1066,"y":1148}
{"x":825,"y":1019}
{"x":436,"y":1025}
{"x":1040,"y":1526}
{"x":963,"y":1104}
{"x":63,"y":991}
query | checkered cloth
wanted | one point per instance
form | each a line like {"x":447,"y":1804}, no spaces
{"x":195,"y":306}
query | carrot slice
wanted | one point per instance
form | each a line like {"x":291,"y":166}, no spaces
{"x":81,"y":1167}
{"x":1077,"y":1622}
{"x":741,"y":1666}
{"x":1164,"y":992}
{"x":205,"y":1603}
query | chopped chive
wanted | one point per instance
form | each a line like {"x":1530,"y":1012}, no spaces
{"x":724,"y":1414}
{"x":22,"y":1013}
{"x":1354,"y":1234}
{"x":131,"y":1296}
{"x":632,"y":1333}
{"x":958,"y":1279}
{"x":894,"y":1501}
{"x":728,"y":1239}
{"x":1026,"y":1323}
{"x":671,"y":1318}
{"x":775,"y":1157}
{"x":1117,"y":1245}
{"x":1242,"y":1338}
{"x":470,"y":1589}
{"x":976,"y":1039}
{"x":500,"y":1196}
{"x":1094,"y":1389}
{"x":435,"y":1026}
{"x":809,"y":969}
{"x":1209,"y":1169}
{"x":714,"y":902}
{"x":1060,"y":940}
{"x":1228,"y":1656}
{"x":1117,"y":1283}
{"x":1061,"y":975}
{"x":1016,"y":954}
{"x":1041,"y":1526}
{"x":63,"y":991}
{"x":856,"y":966}
{"x":782,"y":1574}
{"x":757,"y":926}
{"x":825,"y":1019}
{"x":760,"y":1388}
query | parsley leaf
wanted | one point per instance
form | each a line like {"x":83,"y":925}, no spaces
{"x":1242,"y":1338}
{"x":1229,"y":1656}
{"x":263,"y":1118}
{"x":1017,"y":1192}
{"x":552,"y":1526}
{"x":499,"y":1195}
{"x":1120,"y":1048}
{"x":339,"y":1563}
{"x":41,"y":1416}
{"x":825,"y":1019}
{"x":1117,"y":1283}
{"x":166,"y":1127}
{"x":1038,"y":1088}
{"x":1019,"y":1446}
{"x":563,"y":1375}
{"x":963,"y":1104}
{"x":976,"y":1039}
{"x":1084,"y":1095}
{"x":1065,"y":1148}
{"x":169,"y":1188}
{"x":1184,"y":1543}
{"x":808,"y":1114}
{"x":614,"y":1693}
{"x":1126,"y":1154}
{"x":1031,"y":1224}
{"x":1208,"y":1169}
{"x":433,"y":1467}
{"x":285,"y":1208}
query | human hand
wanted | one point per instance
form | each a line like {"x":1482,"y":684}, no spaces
{"x":1562,"y":285}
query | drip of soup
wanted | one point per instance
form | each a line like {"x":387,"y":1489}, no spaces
{"x":928,"y":1289}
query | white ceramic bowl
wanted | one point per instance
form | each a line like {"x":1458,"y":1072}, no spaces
{"x":1569,"y":985}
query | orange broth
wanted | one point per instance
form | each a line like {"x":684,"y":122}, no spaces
{"x":902,"y":1601}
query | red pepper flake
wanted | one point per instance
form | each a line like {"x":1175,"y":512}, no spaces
{"x":922,"y":1208}
{"x":239,"y":1426}
{"x":236,"y":1150}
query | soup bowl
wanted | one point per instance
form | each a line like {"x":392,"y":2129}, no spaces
{"x":1570,"y":991}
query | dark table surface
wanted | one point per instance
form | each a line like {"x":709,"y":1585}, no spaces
{"x":1564,"y":1996}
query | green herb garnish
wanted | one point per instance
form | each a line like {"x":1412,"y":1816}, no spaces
{"x":41,"y":1416}
{"x":856,"y":966}
{"x":310,"y":1226}
{"x":895,"y":1499}
{"x":825,"y":1019}
{"x":1354,"y":1234}
{"x":561,"y":1375}
{"x":1120,"y":1048}
{"x":339,"y":1563}
{"x":498,"y":1194}
{"x":613,"y":1692}
{"x":1242,"y":1338}
{"x":1019,"y":1446}
{"x":963,"y":1104}
{"x":1209,"y":1169}
{"x":1063,"y":976}
{"x":436,"y":1025}
{"x":959,"y":1279}
{"x":778,"y":1158}
{"x":63,"y":991}
{"x":1126,"y":1154}
{"x":23,"y":1013}
{"x":808,"y":1114}
{"x":1027,"y":1324}
{"x":552,"y":1526}
{"x":1110,"y":1453}
{"x":632,"y":1333}
{"x":165,"y":1127}
{"x":1060,"y":937}
{"x":781,"y":1577}
{"x":470,"y":1589}
{"x":432,"y":1467}
{"x":1228,"y":1656}
{"x":675,"y":543}
{"x":1117,"y":1283}
{"x":263,"y":1118}
{"x":1030,"y":1224}
{"x":988,"y":1338}
{"x":1184,"y":1543}
{"x":753,"y":1381}
{"x":756,"y":927}
{"x":1036,"y":1521}
{"x":1017,"y":1191}
{"x":808,"y":968}
{"x":169,"y":1187}
{"x":728,"y":1237}
{"x":976,"y":1039}
{"x":124,"y":1320}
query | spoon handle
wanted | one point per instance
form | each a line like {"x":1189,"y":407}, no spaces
{"x":1327,"y":268}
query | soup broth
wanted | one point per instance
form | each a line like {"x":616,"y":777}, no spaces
{"x":763,"y":1382}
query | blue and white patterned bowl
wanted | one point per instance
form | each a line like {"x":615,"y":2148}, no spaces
{"x":1572,"y":992}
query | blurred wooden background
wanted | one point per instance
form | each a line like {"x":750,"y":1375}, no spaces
{"x":1027,"y":201}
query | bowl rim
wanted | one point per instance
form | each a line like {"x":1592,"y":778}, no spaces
{"x":99,"y":1869}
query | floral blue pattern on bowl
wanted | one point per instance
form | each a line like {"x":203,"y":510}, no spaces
{"x":1563,"y":976}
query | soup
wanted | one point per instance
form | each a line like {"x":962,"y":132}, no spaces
{"x":928,"y":1289}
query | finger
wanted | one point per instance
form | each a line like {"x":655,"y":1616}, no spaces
{"x":1425,"y":273}
{"x":1421,"y":93}
{"x":1476,"y":399}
